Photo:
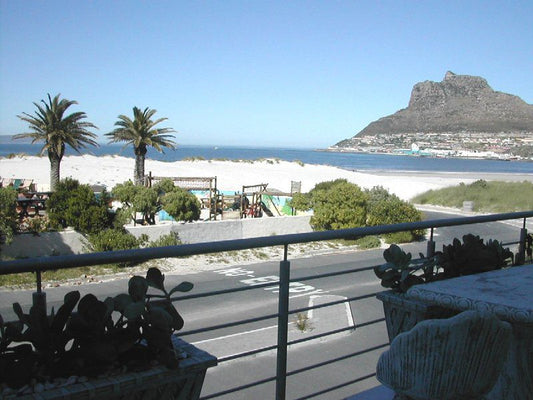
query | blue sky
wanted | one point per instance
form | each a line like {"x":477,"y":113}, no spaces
{"x":255,"y":73}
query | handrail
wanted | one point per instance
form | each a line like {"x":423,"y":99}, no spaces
{"x":81,"y":260}
{"x":70,"y":261}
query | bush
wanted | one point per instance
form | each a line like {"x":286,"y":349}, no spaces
{"x":137,"y":199}
{"x":113,"y":239}
{"x":368,"y":242}
{"x":338,"y":205}
{"x":73,"y":204}
{"x":181,"y":205}
{"x":300,"y":201}
{"x":171,"y":239}
{"x":385,"y":210}
{"x":8,"y":214}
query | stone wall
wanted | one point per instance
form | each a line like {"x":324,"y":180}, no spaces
{"x":71,"y":242}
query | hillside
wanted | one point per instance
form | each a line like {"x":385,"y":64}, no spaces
{"x":459,"y":104}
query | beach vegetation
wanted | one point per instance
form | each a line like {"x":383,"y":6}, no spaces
{"x":488,"y":196}
{"x":171,"y":239}
{"x":368,"y":242}
{"x":385,"y":208}
{"x":8,"y":214}
{"x":136,"y":199}
{"x":341,"y":205}
{"x":140,"y":132}
{"x":73,"y":204}
{"x":177,"y":202}
{"x":56,"y":130}
{"x":181,"y":205}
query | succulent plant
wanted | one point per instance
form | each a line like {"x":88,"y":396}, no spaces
{"x":128,"y":330}
{"x":400,"y":271}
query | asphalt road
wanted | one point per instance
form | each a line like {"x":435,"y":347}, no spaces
{"x":221,"y":309}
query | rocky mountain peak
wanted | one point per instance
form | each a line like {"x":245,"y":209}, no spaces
{"x":457,"y":104}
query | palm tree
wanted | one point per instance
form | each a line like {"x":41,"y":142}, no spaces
{"x":140,"y":132}
{"x":51,"y":126}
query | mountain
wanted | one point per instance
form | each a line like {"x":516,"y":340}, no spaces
{"x":458,"y":104}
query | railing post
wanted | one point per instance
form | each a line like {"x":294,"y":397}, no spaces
{"x":430,"y":249}
{"x":283,"y":327}
{"x":39,"y":297}
{"x":521,"y":255}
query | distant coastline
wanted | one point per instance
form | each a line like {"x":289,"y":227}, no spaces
{"x":349,"y":161}
{"x":429,"y":154}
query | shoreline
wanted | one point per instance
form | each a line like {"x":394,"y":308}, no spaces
{"x":110,"y":170}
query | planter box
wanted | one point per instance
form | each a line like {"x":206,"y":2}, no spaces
{"x":159,"y":383}
{"x":402,"y":313}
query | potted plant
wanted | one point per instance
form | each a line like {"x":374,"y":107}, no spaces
{"x":400,"y":272}
{"x":120,"y":347}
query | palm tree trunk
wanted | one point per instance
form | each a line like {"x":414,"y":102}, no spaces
{"x":55,"y":163}
{"x":139,"y":166}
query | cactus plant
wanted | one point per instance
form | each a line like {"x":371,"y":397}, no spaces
{"x":90,"y":341}
{"x":400,"y":271}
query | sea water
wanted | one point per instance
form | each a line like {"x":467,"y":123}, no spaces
{"x":350,"y":161}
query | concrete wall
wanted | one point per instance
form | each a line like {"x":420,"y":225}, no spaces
{"x":70,"y":242}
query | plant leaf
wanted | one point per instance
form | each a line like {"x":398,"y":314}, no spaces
{"x":134,"y":310}
{"x":182,"y":287}
{"x":155,"y":278}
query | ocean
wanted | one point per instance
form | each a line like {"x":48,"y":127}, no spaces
{"x":351,"y":161}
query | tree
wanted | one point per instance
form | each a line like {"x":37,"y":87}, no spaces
{"x":57,"y":130}
{"x":141,"y":133}
{"x":8,"y":214}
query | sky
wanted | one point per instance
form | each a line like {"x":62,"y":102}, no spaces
{"x":254,"y":73}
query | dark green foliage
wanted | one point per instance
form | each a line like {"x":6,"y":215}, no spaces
{"x":368,"y":242}
{"x":73,"y":204}
{"x":138,"y":199}
{"x":90,"y":341}
{"x":385,"y":209}
{"x":164,"y":186}
{"x":473,"y":256}
{"x":400,"y":270}
{"x":181,"y":205}
{"x":114,"y":239}
{"x":300,"y":201}
{"x":171,"y":239}
{"x":8,"y":214}
{"x":488,"y":197}
{"x":470,"y":257}
{"x":341,"y":205}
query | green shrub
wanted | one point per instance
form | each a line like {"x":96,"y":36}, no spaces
{"x":300,"y":201}
{"x":339,"y":205}
{"x":8,"y":214}
{"x":73,"y":204}
{"x":368,"y":242}
{"x":181,"y":205}
{"x":386,"y":210}
{"x":172,"y":239}
{"x":113,"y":239}
{"x":164,"y":186}
{"x":138,"y":199}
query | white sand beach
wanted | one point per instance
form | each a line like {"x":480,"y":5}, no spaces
{"x":231,"y":176}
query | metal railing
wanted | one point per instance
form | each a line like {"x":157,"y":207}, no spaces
{"x":40,"y":264}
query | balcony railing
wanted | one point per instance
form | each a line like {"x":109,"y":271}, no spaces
{"x":38,"y":265}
